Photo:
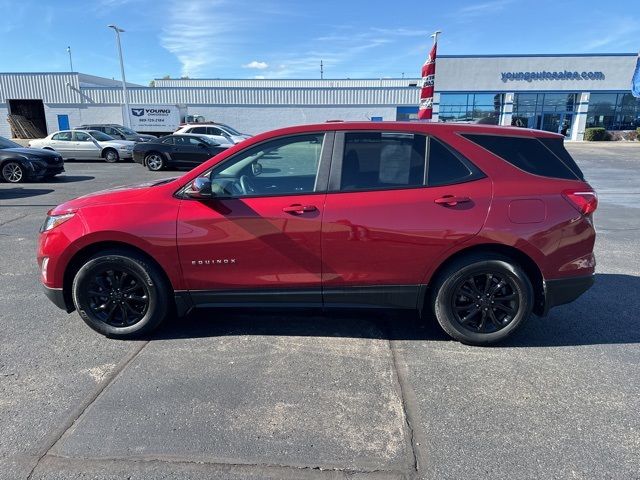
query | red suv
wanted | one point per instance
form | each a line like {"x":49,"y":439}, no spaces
{"x":480,"y":225}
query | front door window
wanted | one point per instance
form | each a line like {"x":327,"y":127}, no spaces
{"x":287,"y":166}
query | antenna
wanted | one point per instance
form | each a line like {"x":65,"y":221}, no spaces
{"x":321,"y":70}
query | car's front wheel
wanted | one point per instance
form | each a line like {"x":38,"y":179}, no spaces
{"x":154,"y":162}
{"x":111,"y":156}
{"x":13,"y":172}
{"x":482,"y":299}
{"x":121,"y":294}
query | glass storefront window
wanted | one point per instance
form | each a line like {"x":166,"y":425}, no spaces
{"x":471,"y":108}
{"x":544,"y":111}
{"x":613,"y":111}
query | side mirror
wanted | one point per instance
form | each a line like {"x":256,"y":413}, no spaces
{"x":199,"y":188}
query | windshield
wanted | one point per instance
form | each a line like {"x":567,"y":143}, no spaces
{"x":232,"y":131}
{"x":101,"y":137}
{"x":5,"y":143}
{"x":128,"y":131}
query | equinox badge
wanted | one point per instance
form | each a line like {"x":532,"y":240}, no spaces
{"x":214,"y":261}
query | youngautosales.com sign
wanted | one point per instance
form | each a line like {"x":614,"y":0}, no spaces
{"x":544,"y":75}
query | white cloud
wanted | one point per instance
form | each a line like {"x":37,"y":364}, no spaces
{"x":200,"y":34}
{"x":482,"y":8}
{"x":259,"y":77}
{"x":618,"y":32}
{"x":257,"y":65}
{"x":342,"y":48}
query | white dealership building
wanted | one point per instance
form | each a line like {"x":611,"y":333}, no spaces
{"x":561,"y":93}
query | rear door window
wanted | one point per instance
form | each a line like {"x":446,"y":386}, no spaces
{"x":382,"y":160}
{"x":214,"y":131}
{"x":62,"y":136}
{"x":528,"y":154}
{"x":447,"y":166}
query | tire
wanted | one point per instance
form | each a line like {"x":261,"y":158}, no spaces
{"x":464,"y":309}
{"x":154,"y":161}
{"x":13,"y":172}
{"x":111,"y":155}
{"x":132,"y":305}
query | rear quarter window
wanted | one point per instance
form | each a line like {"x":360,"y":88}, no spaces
{"x":543,"y":157}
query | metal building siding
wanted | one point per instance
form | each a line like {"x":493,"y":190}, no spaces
{"x":49,"y":87}
{"x":256,"y":96}
{"x":285,"y":83}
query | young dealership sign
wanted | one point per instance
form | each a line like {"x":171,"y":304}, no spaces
{"x":154,"y":118}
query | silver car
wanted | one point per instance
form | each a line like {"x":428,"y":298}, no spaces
{"x":86,"y":145}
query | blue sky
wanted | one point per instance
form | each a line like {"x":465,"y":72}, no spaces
{"x":287,"y":39}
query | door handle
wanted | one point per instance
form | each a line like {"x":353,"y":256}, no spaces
{"x":298,"y":209}
{"x":451,"y":200}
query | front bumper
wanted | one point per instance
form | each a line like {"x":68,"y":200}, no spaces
{"x":565,"y":290}
{"x":56,"y":295}
{"x":48,"y":172}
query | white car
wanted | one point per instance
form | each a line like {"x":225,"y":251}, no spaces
{"x":215,"y":131}
{"x":86,"y":145}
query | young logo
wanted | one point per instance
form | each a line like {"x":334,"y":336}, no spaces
{"x":137,"y":112}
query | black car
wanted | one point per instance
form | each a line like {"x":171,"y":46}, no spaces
{"x":18,"y":164}
{"x":176,"y":151}
{"x":118,"y":132}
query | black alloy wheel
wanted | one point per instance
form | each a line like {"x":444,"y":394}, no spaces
{"x":485,"y":302}
{"x":121,"y":294}
{"x":117,"y":297}
{"x":480,"y":299}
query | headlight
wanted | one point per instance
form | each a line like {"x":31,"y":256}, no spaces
{"x":53,"y":221}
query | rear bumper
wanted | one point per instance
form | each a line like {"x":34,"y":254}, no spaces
{"x":56,"y":295}
{"x":138,"y":157}
{"x":565,"y":290}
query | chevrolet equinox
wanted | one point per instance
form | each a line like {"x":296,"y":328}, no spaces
{"x":478,"y":225}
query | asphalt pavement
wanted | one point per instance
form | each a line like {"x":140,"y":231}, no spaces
{"x":301,"y":394}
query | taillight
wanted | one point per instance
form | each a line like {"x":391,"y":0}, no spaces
{"x":585,"y":202}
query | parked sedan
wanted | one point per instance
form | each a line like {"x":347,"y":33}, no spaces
{"x":176,"y":151}
{"x":18,"y":164}
{"x":86,"y":145}
{"x":118,"y":132}
{"x":215,"y":131}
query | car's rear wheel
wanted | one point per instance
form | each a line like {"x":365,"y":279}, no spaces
{"x":154,"y":162}
{"x":111,"y":156}
{"x":121,"y":294}
{"x":482,"y":299}
{"x":13,"y":172}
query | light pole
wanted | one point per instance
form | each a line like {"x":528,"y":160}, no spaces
{"x":127,"y":122}
{"x":70,"y":61}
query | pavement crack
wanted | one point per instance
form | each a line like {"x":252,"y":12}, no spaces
{"x":54,"y":437}
{"x":282,"y":470}
{"x":409,"y":406}
{"x":14,"y":219}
